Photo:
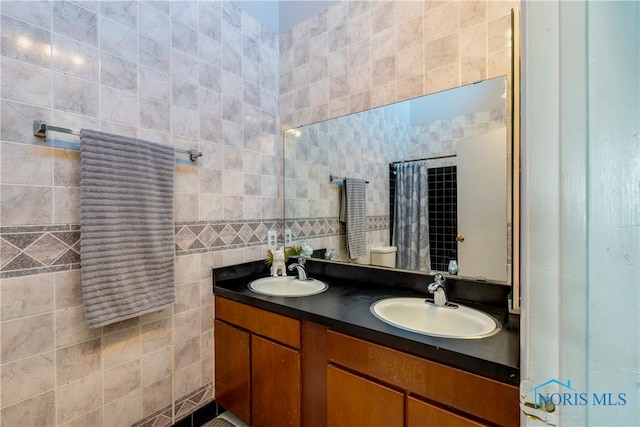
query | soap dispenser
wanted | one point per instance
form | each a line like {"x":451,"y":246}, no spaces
{"x":453,"y":267}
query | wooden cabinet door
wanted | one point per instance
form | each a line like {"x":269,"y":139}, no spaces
{"x":451,"y":387}
{"x":355,"y":401}
{"x":232,"y":370}
{"x":423,"y":414}
{"x":275,"y":384}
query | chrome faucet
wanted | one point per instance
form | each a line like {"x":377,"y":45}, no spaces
{"x":437,"y":289}
{"x":302,"y":271}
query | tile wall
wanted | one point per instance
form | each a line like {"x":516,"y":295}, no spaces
{"x":359,"y":55}
{"x":192,"y":74}
{"x":362,"y":54}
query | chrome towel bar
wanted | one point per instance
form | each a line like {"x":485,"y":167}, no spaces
{"x":40,"y":129}
{"x":333,"y":179}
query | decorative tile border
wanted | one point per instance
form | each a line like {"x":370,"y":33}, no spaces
{"x":376,"y":223}
{"x":30,"y":250}
{"x":183,"y":407}
{"x":323,"y":227}
{"x":194,"y":401}
{"x":197,"y":236}
{"x":38,"y":249}
{"x":161,"y":418}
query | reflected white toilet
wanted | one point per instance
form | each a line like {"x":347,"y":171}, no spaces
{"x":384,"y":256}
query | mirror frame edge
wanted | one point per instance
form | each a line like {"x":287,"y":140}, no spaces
{"x":515,"y":112}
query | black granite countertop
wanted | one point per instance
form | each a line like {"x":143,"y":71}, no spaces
{"x":345,"y":307}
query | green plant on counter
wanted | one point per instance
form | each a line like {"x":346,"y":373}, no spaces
{"x":293,"y":251}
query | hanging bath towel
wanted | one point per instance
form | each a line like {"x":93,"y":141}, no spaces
{"x":126,"y":227}
{"x":353,"y":213}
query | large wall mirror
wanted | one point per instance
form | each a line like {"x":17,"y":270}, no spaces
{"x":459,"y":140}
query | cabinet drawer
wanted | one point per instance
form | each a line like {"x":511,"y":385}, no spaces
{"x":423,"y":414}
{"x":356,"y":401}
{"x":270,"y":325}
{"x":482,"y":397}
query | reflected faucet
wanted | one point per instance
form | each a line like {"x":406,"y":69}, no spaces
{"x":302,"y":271}
{"x":437,"y":289}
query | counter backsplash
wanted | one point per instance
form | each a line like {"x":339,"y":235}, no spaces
{"x":457,"y":289}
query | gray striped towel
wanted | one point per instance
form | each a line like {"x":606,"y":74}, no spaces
{"x":126,"y":227}
{"x":353,"y":213}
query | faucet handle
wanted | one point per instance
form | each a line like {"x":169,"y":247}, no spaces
{"x":438,"y":281}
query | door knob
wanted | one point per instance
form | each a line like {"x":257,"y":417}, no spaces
{"x":460,"y":239}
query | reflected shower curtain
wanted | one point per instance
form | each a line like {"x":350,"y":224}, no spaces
{"x":411,"y":217}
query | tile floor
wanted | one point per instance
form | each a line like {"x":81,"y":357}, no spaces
{"x":226,"y":419}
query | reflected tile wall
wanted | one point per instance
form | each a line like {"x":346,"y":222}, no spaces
{"x":194,"y":74}
{"x":366,"y":142}
{"x":441,"y":137}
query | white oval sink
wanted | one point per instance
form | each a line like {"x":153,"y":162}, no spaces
{"x":416,"y":315}
{"x":287,"y":286}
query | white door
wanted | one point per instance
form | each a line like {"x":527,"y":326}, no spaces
{"x":482,"y":206}
{"x":579,"y":330}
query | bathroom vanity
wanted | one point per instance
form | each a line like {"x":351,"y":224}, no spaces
{"x":326,"y":360}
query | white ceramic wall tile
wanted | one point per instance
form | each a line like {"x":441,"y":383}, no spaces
{"x":187,"y":379}
{"x":78,"y":361}
{"x":184,"y":38}
{"x":155,"y":396}
{"x":154,"y":84}
{"x":37,"y":13}
{"x":124,"y":12}
{"x":75,"y":22}
{"x":24,"y":296}
{"x":74,"y":58}
{"x":70,"y":327}
{"x":16,"y":156}
{"x":79,"y":397}
{"x":68,"y":292}
{"x":25,"y":42}
{"x":122,"y":380}
{"x":185,"y":12}
{"x":156,"y":336}
{"x":124,"y":411}
{"x":123,"y":346}
{"x":79,"y":96}
{"x":27,"y":378}
{"x":156,"y":367}
{"x":26,"y":83}
{"x":153,"y":54}
{"x":153,"y":23}
{"x":118,"y":39}
{"x":33,"y":411}
{"x":187,"y":351}
{"x":26,"y":205}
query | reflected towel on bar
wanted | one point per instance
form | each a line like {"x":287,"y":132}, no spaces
{"x":353,"y":213}
{"x":127,"y":242}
